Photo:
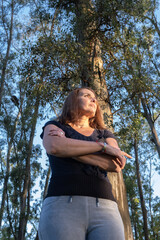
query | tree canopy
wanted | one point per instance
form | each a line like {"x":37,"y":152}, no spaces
{"x":47,"y":49}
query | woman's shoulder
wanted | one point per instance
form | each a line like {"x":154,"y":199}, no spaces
{"x":52,"y":122}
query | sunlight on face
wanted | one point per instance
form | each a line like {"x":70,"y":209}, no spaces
{"x":87,"y":103}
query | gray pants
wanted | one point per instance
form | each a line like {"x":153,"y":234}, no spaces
{"x":80,"y":218}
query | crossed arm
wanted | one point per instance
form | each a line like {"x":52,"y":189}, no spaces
{"x":86,"y":152}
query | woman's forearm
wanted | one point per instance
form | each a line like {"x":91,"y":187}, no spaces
{"x":61,"y":146}
{"x":67,"y":147}
{"x":101,"y":160}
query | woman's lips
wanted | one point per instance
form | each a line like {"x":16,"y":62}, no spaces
{"x":92,"y":105}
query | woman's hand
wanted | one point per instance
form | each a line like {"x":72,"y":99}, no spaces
{"x":120,"y":155}
{"x":57,"y":132}
{"x":112,"y":149}
{"x":122,"y":158}
{"x":102,"y":160}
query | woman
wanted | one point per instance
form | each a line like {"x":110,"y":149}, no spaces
{"x":79,"y":204}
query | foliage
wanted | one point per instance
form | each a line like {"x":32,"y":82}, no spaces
{"x":42,"y":60}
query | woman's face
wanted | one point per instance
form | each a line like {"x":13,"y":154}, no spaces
{"x":87,"y":103}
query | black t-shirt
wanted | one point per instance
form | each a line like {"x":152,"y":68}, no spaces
{"x":70,"y":177}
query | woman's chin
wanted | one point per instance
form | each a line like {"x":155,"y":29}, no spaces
{"x":91,"y":115}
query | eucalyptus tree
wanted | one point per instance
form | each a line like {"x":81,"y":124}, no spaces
{"x":7,"y":55}
{"x":133,"y":134}
{"x":67,"y":44}
{"x":9,"y":34}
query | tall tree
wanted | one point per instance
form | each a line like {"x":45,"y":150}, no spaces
{"x":92,"y":75}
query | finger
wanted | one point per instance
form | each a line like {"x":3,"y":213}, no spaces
{"x":119,"y":161}
{"x":59,"y":134}
{"x":124,"y":162}
{"x":53,"y":132}
{"x":62,"y":134}
{"x":126,"y":155}
{"x":56,"y":133}
{"x":116,"y":163}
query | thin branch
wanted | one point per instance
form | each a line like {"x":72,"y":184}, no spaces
{"x":53,"y":21}
{"x":117,"y":110}
{"x":154,"y":22}
{"x":3,"y":22}
{"x":156,"y":118}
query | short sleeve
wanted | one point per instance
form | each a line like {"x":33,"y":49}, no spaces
{"x":47,"y":123}
{"x":109,"y":134}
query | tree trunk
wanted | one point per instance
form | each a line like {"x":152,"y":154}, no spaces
{"x":5,"y":61}
{"x":92,"y":75}
{"x":26,"y":185}
{"x":150,"y":202}
{"x":119,"y":192}
{"x":144,"y":211}
{"x":10,"y":220}
{"x":46,"y":182}
{"x":4,"y":194}
{"x":45,"y":192}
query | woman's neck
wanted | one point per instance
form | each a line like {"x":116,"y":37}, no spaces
{"x":81,"y":123}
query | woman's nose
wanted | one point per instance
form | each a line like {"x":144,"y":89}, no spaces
{"x":93,"y":100}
